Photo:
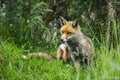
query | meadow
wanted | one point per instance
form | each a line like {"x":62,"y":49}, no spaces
{"x":106,"y":66}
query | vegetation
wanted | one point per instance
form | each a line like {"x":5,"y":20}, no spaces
{"x":33,"y":26}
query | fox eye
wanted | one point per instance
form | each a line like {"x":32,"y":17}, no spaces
{"x":62,"y":31}
{"x":69,"y":33}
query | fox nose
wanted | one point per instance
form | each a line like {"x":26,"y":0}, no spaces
{"x":64,"y":39}
{"x":61,"y":40}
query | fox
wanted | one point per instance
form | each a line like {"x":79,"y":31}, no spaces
{"x":76,"y":46}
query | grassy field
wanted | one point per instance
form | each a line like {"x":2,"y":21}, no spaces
{"x":106,"y":66}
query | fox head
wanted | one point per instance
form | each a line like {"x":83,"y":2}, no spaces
{"x":69,"y":29}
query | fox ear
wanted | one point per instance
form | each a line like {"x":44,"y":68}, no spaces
{"x":62,"y":21}
{"x":75,"y":23}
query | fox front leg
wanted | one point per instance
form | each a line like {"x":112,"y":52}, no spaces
{"x":75,"y":60}
{"x":63,"y":52}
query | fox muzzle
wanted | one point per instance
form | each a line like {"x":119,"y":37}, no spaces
{"x":64,"y":39}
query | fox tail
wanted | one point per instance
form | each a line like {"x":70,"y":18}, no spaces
{"x":47,"y":56}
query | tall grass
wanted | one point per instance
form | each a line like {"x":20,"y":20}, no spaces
{"x":105,"y":67}
{"x":106,"y":64}
{"x":112,"y":35}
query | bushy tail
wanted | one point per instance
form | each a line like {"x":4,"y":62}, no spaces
{"x":40,"y":55}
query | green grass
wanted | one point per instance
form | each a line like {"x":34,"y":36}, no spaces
{"x":106,"y":66}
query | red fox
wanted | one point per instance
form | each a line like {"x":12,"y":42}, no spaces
{"x":76,"y":47}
